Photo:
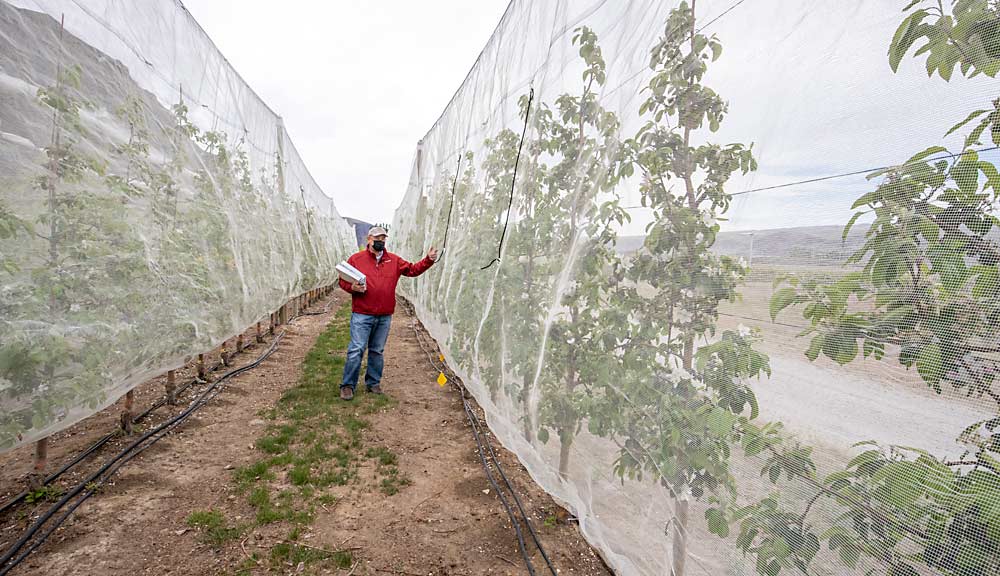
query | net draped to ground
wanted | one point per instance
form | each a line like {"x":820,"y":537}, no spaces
{"x":151,"y":206}
{"x":745,"y":315}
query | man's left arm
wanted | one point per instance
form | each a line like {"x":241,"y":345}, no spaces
{"x":418,"y":268}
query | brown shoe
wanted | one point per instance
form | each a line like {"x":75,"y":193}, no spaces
{"x":346,"y":393}
{"x":376,"y":389}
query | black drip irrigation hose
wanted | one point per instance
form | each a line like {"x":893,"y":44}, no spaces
{"x":492,"y":458}
{"x":100,"y":443}
{"x":93,"y":482}
{"x":15,"y":500}
{"x":89,"y":486}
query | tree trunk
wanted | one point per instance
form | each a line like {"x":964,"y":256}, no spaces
{"x":565,"y":444}
{"x":679,"y":544}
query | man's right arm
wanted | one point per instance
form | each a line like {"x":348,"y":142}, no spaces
{"x":344,"y":284}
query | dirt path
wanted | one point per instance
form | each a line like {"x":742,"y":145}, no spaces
{"x":276,"y":476}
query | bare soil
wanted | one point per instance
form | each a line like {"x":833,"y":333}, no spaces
{"x":437,"y":515}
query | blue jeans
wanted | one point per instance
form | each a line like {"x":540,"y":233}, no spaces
{"x":371,"y":332}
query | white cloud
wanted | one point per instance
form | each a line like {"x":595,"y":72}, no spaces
{"x":357,"y":83}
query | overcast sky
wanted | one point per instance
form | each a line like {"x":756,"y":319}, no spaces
{"x":357,"y":83}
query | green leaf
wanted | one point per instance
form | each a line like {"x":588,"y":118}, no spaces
{"x":781,"y":299}
{"x":969,"y":118}
{"x":965,"y":173}
{"x":850,"y":224}
{"x":929,"y":364}
{"x":920,"y":156}
{"x":543,"y":435}
{"x":717,"y":522}
{"x":716,"y":50}
{"x":720,"y":422}
{"x":815,"y":346}
{"x":904,"y":38}
{"x":841,"y":345}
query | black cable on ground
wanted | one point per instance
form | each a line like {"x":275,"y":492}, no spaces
{"x":93,"y":448}
{"x":513,"y":180}
{"x":477,"y":427}
{"x":95,"y":480}
{"x":15,"y":500}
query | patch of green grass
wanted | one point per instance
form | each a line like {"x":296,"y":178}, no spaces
{"x":260,"y":497}
{"x":278,"y":440}
{"x":246,"y":476}
{"x":334,"y":478}
{"x":246,"y":567}
{"x":214,"y":528}
{"x":314,"y":441}
{"x":383,"y":455}
{"x":288,"y":553}
{"x":392,"y":480}
{"x":300,"y":475}
{"x":550,"y":521}
{"x":43,"y":494}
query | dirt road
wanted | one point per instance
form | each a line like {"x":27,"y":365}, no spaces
{"x":277,"y":476}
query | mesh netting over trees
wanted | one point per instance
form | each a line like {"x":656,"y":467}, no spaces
{"x":151,"y":206}
{"x":745,"y":314}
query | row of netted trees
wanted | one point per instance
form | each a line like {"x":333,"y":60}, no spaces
{"x":572,"y":335}
{"x":128,"y":254}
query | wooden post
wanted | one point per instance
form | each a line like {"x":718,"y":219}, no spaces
{"x":171,"y":388}
{"x":126,"y":417}
{"x":201,"y":366}
{"x":239,"y":343}
{"x":224,"y":354}
{"x":258,"y":337}
{"x":37,"y":477}
{"x":271,"y":329}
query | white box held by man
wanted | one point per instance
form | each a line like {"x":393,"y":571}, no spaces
{"x":350,"y":274}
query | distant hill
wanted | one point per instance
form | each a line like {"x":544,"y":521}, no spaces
{"x":360,"y":230}
{"x":804,"y":245}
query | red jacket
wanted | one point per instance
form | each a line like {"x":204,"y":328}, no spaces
{"x":381,"y":278}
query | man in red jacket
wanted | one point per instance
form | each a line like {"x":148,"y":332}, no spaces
{"x":373,"y":303}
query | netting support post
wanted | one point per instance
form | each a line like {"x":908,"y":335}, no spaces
{"x":126,"y":416}
{"x":224,"y":354}
{"x":171,"y":388}
{"x":239,"y":343}
{"x":201,"y":366}
{"x":270,"y":330}
{"x":37,"y":477}
{"x":258,"y":337}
